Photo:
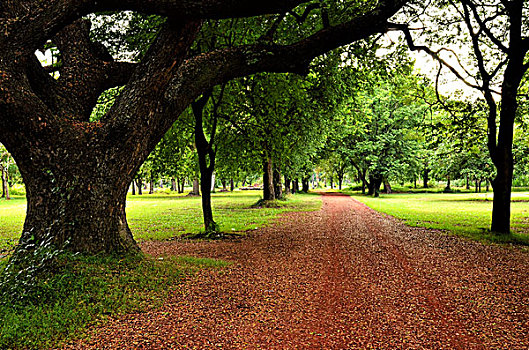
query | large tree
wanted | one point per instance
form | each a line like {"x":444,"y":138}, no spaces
{"x":77,"y":172}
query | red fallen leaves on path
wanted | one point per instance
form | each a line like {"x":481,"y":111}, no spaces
{"x":345,"y":277}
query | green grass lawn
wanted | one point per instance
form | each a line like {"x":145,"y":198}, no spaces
{"x":163,"y":216}
{"x":12,"y":214}
{"x":464,"y":214}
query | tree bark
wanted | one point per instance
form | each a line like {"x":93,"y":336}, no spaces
{"x":268,"y":176}
{"x":151,"y":186}
{"x":305,"y":184}
{"x":196,"y":188}
{"x":206,"y":162}
{"x":295,"y":186}
{"x":278,"y":186}
{"x":232,"y":185}
{"x":377,"y":182}
{"x":387,"y":186}
{"x":448,"y":187}
{"x":5,"y":184}
{"x":425,"y":177}
{"x":501,"y":185}
{"x":287,"y":185}
{"x":133,"y":186}
{"x":78,"y":202}
{"x":139,"y":183}
{"x":371,"y":186}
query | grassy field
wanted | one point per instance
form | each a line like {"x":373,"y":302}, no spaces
{"x":166,"y":216}
{"x":464,"y":214}
{"x":39,"y":313}
{"x":163,"y":216}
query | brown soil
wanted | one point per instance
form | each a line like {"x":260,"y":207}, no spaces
{"x":344,"y":277}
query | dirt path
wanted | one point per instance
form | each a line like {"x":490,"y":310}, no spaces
{"x":344,"y":277}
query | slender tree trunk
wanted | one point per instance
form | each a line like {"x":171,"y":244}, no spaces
{"x":468,"y":183}
{"x":207,"y":212}
{"x":224,"y":185}
{"x":133,"y":185}
{"x":232,"y":185}
{"x":151,"y":186}
{"x":213,"y":182}
{"x":196,"y":188}
{"x":287,"y":185}
{"x":295,"y":186}
{"x":5,"y":184}
{"x":181,"y":184}
{"x":387,"y":186}
{"x":305,"y":184}
{"x":206,"y":162}
{"x":377,"y":182}
{"x":448,"y":187}
{"x":425,"y":177}
{"x":268,"y":184}
{"x":371,"y":186}
{"x":5,"y":180}
{"x":332,"y":183}
{"x":278,"y":186}
{"x":139,"y":183}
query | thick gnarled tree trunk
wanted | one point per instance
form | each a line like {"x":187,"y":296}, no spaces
{"x":77,"y":200}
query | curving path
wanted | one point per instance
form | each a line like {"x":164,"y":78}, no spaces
{"x":344,"y":277}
